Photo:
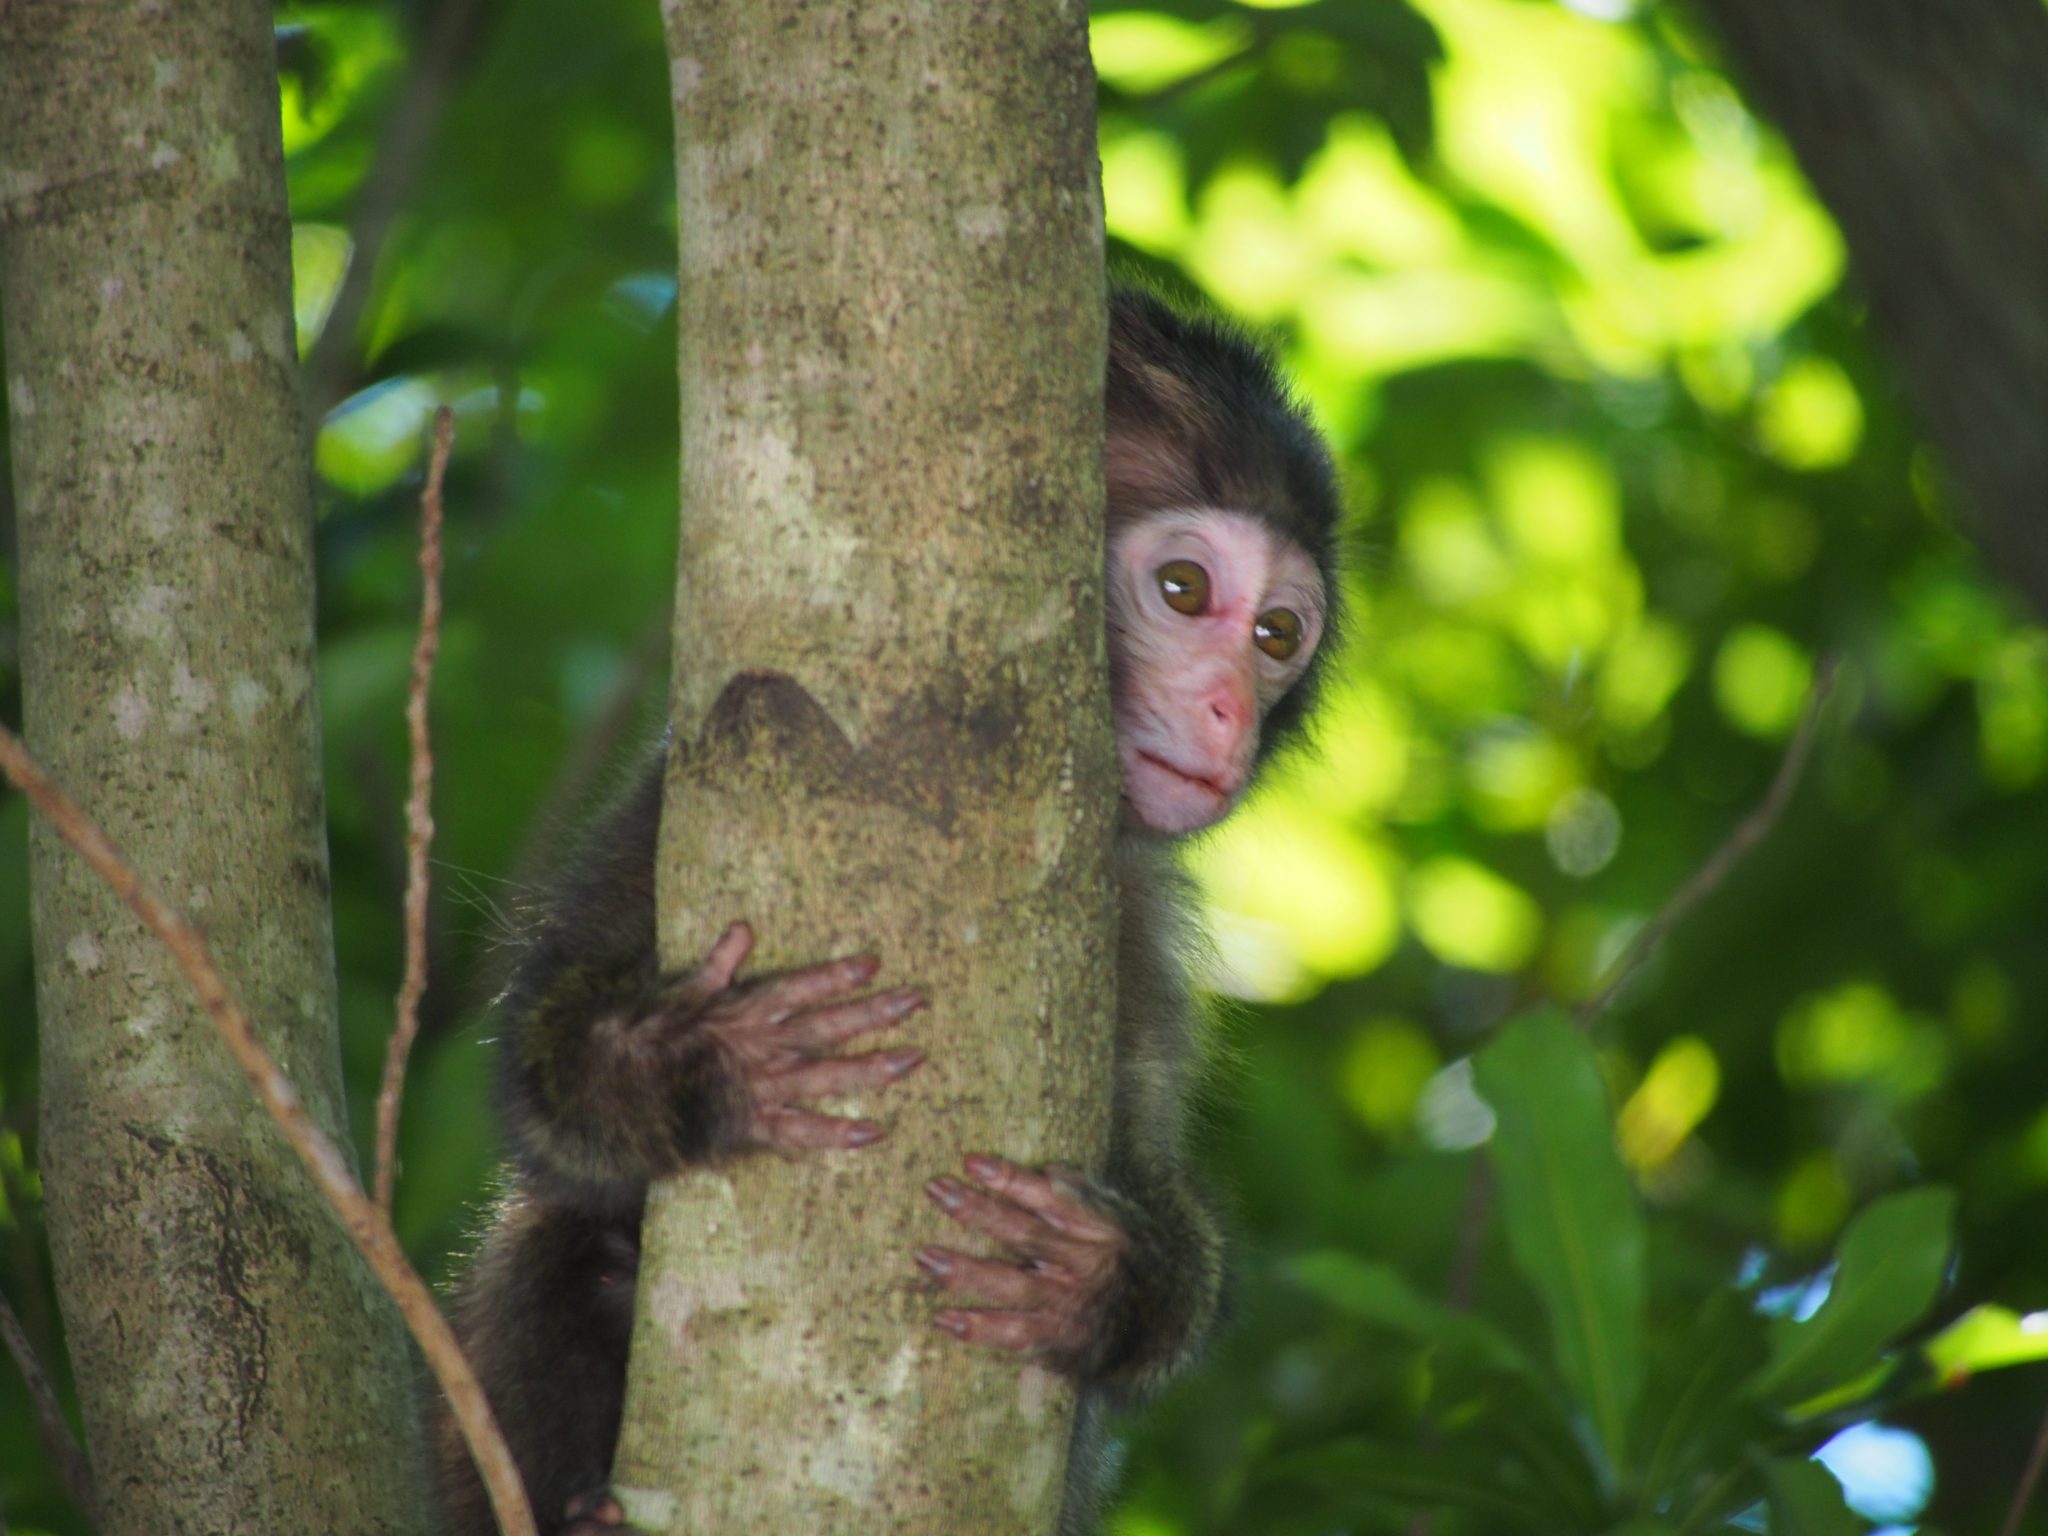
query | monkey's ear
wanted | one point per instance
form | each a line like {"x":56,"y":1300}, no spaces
{"x":1145,"y":471}
{"x":1175,"y":397}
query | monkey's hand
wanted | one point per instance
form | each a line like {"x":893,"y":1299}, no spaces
{"x":595,"y":1513}
{"x":1059,"y":1298}
{"x":611,"y":1082}
{"x":772,"y":1036}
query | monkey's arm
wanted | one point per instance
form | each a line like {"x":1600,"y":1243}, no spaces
{"x":1114,"y":1279}
{"x":612,"y":1073}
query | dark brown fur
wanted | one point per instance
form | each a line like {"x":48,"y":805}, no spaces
{"x":1197,"y":418}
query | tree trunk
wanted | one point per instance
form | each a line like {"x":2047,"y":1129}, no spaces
{"x":891,"y":726}
{"x":238,"y":1368}
{"x":1923,"y":127}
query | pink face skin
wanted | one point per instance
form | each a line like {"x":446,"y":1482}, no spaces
{"x":1190,"y":689}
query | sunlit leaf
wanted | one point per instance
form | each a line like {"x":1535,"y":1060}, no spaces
{"x":1760,"y":680}
{"x":1470,"y":916}
{"x":1987,"y":1337}
{"x":1812,"y":417}
{"x":1387,"y":1064}
{"x":1675,"y":1094}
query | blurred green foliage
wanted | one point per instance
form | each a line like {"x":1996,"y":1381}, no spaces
{"x":1622,"y":465}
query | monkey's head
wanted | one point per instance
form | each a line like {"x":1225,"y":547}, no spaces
{"x":1222,"y":587}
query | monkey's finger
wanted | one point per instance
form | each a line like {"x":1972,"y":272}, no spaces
{"x":1020,"y":1332}
{"x":774,"y":998}
{"x":834,"y":1075}
{"x":820,"y":1029}
{"x":990,"y":1279}
{"x":1008,"y":1224}
{"x":723,"y":963}
{"x":1053,"y":1196}
{"x":801,"y":1130}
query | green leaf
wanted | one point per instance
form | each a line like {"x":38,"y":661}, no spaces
{"x":1364,"y":1475}
{"x":1888,"y":1271}
{"x":1376,"y":1294}
{"x":1805,"y":1500}
{"x":1694,"y":1419}
{"x":1573,"y":1224}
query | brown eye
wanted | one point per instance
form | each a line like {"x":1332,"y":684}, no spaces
{"x":1184,"y":585}
{"x":1278,"y":633}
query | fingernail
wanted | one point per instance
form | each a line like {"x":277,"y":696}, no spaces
{"x":864,"y":1135}
{"x":945,"y":1192}
{"x":934,"y":1263}
{"x":905,"y":1001}
{"x":952,"y":1323}
{"x":902,"y":1063}
{"x":985,"y":1170}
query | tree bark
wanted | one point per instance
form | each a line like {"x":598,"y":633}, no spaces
{"x":1924,"y":129}
{"x":238,"y":1368}
{"x":891,"y":726}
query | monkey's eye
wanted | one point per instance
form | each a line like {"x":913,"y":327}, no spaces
{"x":1184,"y":585}
{"x":1278,"y":633}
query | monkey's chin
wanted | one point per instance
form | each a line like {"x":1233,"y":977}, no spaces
{"x":1168,"y":801}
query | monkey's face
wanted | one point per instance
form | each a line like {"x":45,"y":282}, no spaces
{"x":1213,"y":616}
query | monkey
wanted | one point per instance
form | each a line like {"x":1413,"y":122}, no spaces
{"x":1221,"y":517}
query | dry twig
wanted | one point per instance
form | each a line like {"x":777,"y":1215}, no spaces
{"x":1750,"y":831}
{"x":330,"y":1169}
{"x":2023,"y":1495}
{"x":419,"y":817}
{"x":51,"y":1425}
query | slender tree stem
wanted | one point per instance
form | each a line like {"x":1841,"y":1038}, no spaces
{"x":330,"y":1169}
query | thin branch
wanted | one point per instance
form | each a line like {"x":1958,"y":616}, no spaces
{"x":51,"y":1425}
{"x":1472,"y":1218}
{"x":1750,"y":831}
{"x":2023,"y":1495}
{"x":329,"y":1168}
{"x":419,"y":817}
{"x":400,"y":153}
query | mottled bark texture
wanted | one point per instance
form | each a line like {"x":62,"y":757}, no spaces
{"x":1924,"y":127}
{"x":240,"y":1371}
{"x":891,"y":722}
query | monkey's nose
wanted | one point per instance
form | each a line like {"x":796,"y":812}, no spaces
{"x":1223,"y":718}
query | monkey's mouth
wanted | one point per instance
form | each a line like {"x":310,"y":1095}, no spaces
{"x":1169,"y":799}
{"x":1212,"y":785}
